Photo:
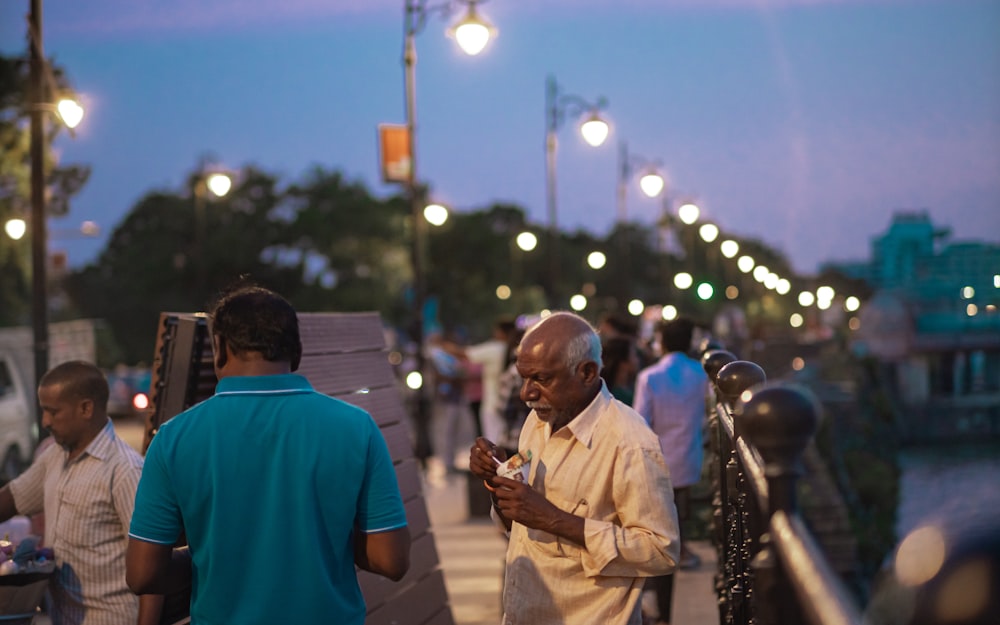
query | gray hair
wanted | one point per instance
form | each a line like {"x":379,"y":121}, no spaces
{"x":586,"y":345}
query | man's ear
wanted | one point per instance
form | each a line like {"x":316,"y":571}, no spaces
{"x":86,"y":408}
{"x":219,"y":349}
{"x":589,"y":371}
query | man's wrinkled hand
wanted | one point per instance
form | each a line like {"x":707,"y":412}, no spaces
{"x":519,"y":502}
{"x":484,"y":457}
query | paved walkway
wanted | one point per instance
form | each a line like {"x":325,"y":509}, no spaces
{"x":472,"y":550}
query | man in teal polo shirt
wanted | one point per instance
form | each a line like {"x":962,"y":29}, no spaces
{"x":279,"y":490}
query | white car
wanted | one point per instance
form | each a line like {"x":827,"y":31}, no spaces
{"x":18,"y":428}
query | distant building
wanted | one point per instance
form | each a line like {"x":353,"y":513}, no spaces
{"x":934,"y":321}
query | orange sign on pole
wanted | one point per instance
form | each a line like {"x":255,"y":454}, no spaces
{"x":394,"y":145}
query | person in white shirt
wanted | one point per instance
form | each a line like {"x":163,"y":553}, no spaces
{"x":492,"y":355}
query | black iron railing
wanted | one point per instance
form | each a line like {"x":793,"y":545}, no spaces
{"x":771,"y":571}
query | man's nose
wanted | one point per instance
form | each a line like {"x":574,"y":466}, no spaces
{"x":529,"y":391}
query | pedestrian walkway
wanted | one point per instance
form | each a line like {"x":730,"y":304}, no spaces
{"x":471,"y":550}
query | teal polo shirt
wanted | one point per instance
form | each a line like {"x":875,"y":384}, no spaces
{"x":268,"y":479}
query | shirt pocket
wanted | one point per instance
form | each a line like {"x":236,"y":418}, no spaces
{"x":556,"y":546}
{"x":82,"y":518}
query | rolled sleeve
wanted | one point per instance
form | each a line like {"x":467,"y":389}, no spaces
{"x":28,"y":489}
{"x":646,"y":542}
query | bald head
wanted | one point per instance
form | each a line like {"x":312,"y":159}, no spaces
{"x":560,"y":361}
{"x":567,"y":334}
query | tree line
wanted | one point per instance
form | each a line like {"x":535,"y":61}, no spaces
{"x":329,"y":244}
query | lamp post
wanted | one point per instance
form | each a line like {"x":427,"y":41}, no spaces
{"x":41,"y":84}
{"x":39,"y":296}
{"x":594,"y":130}
{"x":472,"y":34}
{"x":651,"y":182}
{"x":211,"y":184}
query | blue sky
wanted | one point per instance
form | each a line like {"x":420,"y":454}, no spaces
{"x":803,"y":123}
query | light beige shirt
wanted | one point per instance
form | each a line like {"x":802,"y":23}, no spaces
{"x":605,"y":466}
{"x":88,"y":506}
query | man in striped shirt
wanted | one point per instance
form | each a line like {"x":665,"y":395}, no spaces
{"x":85,"y":485}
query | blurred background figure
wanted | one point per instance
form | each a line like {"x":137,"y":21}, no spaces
{"x":473,"y":388}
{"x":450,"y":404}
{"x":511,"y":407}
{"x":491,"y":355}
{"x":670,"y":395}
{"x":621,"y":364}
{"x":612,"y":326}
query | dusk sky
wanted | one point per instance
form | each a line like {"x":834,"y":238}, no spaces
{"x":803,"y":123}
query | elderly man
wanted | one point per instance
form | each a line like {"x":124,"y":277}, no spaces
{"x":597,"y":515}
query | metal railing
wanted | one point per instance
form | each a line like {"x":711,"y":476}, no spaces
{"x":771,"y":570}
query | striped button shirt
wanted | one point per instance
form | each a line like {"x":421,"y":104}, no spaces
{"x":88,"y":505}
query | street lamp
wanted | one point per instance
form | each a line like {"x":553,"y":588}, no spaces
{"x":594,"y":130}
{"x":40,"y":78}
{"x":207,"y":185}
{"x":472,"y":34}
{"x":651,"y":182}
{"x":688,"y":213}
{"x":436,"y":214}
{"x":596,"y":259}
{"x":518,"y":248}
{"x":15,"y":228}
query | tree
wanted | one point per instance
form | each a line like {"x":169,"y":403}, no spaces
{"x":469,"y":257}
{"x":351,"y":245}
{"x":323,"y":243}
{"x":151,"y":263}
{"x":15,"y":172}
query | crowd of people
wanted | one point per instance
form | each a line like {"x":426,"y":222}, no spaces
{"x":611,"y":427}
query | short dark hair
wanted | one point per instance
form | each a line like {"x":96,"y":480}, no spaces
{"x":79,"y":380}
{"x":506,"y":326}
{"x":255,"y":319}
{"x":675,"y":335}
{"x":614,"y":352}
{"x":620,"y":324}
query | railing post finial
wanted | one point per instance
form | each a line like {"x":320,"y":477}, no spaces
{"x":715,"y":359}
{"x":779,"y":420}
{"x":737,"y":377}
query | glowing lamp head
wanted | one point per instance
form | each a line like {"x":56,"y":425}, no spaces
{"x":435,"y":214}
{"x":651,"y":184}
{"x":688,"y":213}
{"x":70,"y":112}
{"x":219,"y":184}
{"x":596,"y":260}
{"x":16,"y":228}
{"x":594,"y":130}
{"x":473,"y":32}
{"x":527,"y":241}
